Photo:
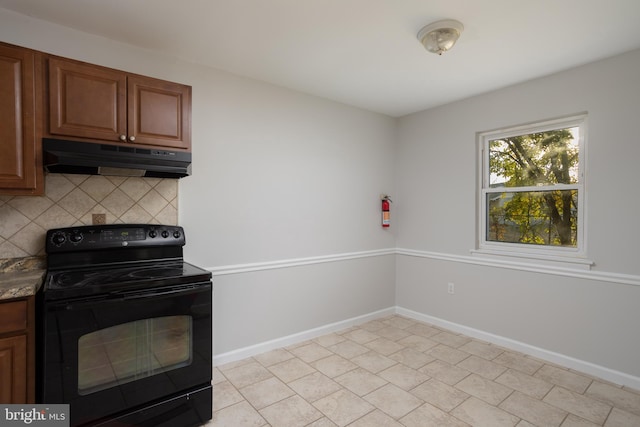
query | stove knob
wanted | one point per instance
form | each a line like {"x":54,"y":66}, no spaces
{"x":165,"y":233}
{"x":176,"y":234}
{"x":58,"y":239}
{"x":76,"y":237}
{"x":153,"y":234}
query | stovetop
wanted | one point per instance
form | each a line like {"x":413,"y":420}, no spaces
{"x":93,"y":260}
{"x":91,"y":281}
{"x":89,"y":277}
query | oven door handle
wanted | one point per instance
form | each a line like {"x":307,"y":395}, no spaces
{"x":142,"y":294}
{"x":130,"y":295}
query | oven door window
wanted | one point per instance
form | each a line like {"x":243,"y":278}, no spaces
{"x":131,"y":351}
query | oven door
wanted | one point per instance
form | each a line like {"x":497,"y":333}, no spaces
{"x":108,"y":355}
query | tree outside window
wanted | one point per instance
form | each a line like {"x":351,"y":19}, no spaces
{"x":532,"y":186}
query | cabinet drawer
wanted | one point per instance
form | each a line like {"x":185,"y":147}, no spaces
{"x":13,"y":316}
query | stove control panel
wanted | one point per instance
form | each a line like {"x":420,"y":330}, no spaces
{"x":92,"y":237}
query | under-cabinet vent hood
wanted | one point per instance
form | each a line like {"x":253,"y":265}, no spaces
{"x":62,"y":156}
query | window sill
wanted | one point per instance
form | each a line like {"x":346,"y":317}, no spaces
{"x":550,"y":261}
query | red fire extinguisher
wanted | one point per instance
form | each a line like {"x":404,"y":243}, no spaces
{"x":386,"y":204}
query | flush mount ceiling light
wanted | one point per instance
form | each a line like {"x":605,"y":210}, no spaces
{"x":440,"y":36}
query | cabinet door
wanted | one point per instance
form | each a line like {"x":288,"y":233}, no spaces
{"x":159,"y":113}
{"x":13,"y":369}
{"x":86,"y":101}
{"x":20,"y":172}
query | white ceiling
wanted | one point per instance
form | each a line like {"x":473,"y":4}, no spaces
{"x":363,"y":52}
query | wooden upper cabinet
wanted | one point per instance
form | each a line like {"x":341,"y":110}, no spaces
{"x":159,"y":112}
{"x":19,"y":122}
{"x":86,"y":101}
{"x":99,"y":104}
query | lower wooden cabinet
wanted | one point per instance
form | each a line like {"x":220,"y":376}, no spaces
{"x":17,"y":341}
{"x":13,"y":369}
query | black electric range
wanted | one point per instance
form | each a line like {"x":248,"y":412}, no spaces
{"x":125,"y":327}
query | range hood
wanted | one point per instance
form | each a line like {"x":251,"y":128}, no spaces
{"x":63,"y":156}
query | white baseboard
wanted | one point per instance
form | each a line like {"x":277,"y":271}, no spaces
{"x":588,"y":368}
{"x":243,"y":353}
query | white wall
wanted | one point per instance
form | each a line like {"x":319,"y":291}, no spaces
{"x":256,"y":308}
{"x":284,"y":176}
{"x":577,"y":315}
{"x":281,"y":175}
{"x":278,"y":175}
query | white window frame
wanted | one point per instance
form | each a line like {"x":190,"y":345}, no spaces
{"x":554,"y":255}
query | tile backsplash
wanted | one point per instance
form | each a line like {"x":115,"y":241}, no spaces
{"x":72,"y":200}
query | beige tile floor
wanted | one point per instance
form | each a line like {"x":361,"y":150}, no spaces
{"x":400,"y":372}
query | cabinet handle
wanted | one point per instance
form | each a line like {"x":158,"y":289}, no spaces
{"x":132,"y":138}
{"x":123,"y":137}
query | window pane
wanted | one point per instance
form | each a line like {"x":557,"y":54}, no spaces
{"x":124,"y":353}
{"x":547,"y":218}
{"x":540,"y":158}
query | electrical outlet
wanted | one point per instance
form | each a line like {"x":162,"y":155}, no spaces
{"x":450,"y":288}
{"x":98,"y":219}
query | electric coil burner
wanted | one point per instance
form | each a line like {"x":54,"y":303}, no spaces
{"x":125,"y":327}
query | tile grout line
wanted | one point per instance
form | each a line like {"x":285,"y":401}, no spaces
{"x":331,"y":343}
